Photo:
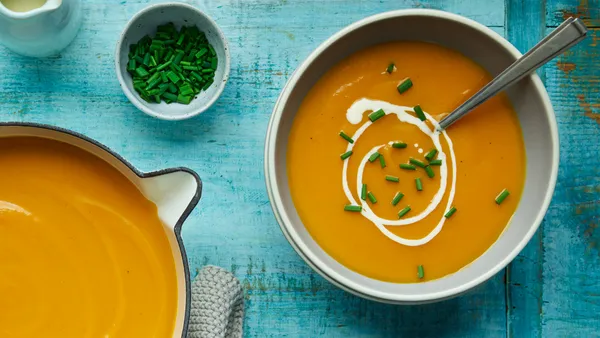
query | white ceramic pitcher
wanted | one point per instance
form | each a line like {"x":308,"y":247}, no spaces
{"x":43,"y":31}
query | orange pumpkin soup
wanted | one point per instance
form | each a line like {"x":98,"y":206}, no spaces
{"x":82,"y":252}
{"x":380,"y":209}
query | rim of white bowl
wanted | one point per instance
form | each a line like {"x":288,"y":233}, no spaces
{"x":284,"y":221}
{"x":136,"y":102}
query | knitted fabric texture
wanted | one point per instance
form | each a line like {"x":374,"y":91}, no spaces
{"x":217,"y":305}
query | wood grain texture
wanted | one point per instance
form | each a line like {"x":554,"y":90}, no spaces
{"x":234,"y":227}
{"x":524,"y":274}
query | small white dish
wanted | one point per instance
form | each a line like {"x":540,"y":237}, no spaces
{"x":144,"y":23}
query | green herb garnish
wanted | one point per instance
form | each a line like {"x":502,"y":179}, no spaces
{"x":420,"y":272}
{"x":429,"y":172}
{"x":346,"y":155}
{"x":346,"y":137}
{"x":431,"y":154}
{"x":371,"y":197}
{"x":353,"y":208}
{"x":374,"y":156}
{"x":419,"y":184}
{"x":397,"y":198}
{"x":436,"y":162}
{"x":363,"y":192}
{"x":404,"y":212}
{"x":399,"y":145}
{"x":382,"y":161}
{"x":374,"y":116}
{"x":502,"y":196}
{"x":417,"y":163}
{"x":450,"y":212}
{"x":407,"y":166}
{"x":392,"y":178}
{"x":419,"y":112}
{"x":404,"y":85}
{"x":390,"y":68}
{"x":175,"y":56}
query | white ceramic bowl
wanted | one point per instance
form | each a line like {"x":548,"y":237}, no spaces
{"x":144,"y":23}
{"x":529,"y":99}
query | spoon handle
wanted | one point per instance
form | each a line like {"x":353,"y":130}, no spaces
{"x":562,"y":38}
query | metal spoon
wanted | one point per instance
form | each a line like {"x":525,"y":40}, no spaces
{"x":565,"y":36}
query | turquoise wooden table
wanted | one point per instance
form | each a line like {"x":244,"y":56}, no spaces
{"x":552,"y":289}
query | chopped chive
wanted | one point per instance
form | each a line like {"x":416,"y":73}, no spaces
{"x":407,"y":166}
{"x":392,"y":178}
{"x":382,"y":161}
{"x":417,"y":162}
{"x":399,"y":145}
{"x":450,"y":212}
{"x":346,"y":155}
{"x":436,"y":162}
{"x":429,"y":172}
{"x":404,"y":85}
{"x":404,"y":212}
{"x":419,"y":112}
{"x":371,"y":197}
{"x":183,"y":99}
{"x":420,"y":272}
{"x":169,"y":96}
{"x":346,"y":137}
{"x":175,"y":57}
{"x":374,"y":156}
{"x":363,"y":192}
{"x":397,"y":198}
{"x":353,"y":208}
{"x":376,"y":115}
{"x":502,"y":196}
{"x":141,"y":72}
{"x":390,"y":68}
{"x":431,"y":154}
{"x":419,"y":184}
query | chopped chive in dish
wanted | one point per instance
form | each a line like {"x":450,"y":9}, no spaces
{"x":397,"y":198}
{"x":346,"y":137}
{"x":502,"y":196}
{"x":418,"y":184}
{"x":353,"y":208}
{"x":346,"y":155}
{"x":431,"y":154}
{"x":417,"y":163}
{"x":429,"y":172}
{"x":176,"y":56}
{"x":407,"y":166}
{"x":363,"y":192}
{"x":450,"y":212}
{"x":374,"y":156}
{"x":404,"y":212}
{"x":436,"y":162}
{"x":371,"y":197}
{"x":419,"y":112}
{"x":420,"y":272}
{"x":392,"y":178}
{"x":376,"y":115}
{"x":390,"y":68}
{"x":404,"y":85}
{"x":382,"y":161}
{"x":399,"y":145}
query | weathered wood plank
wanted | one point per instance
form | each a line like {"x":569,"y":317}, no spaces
{"x":587,"y":10}
{"x":233,"y":226}
{"x":571,"y":277}
{"x":524,"y":274}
